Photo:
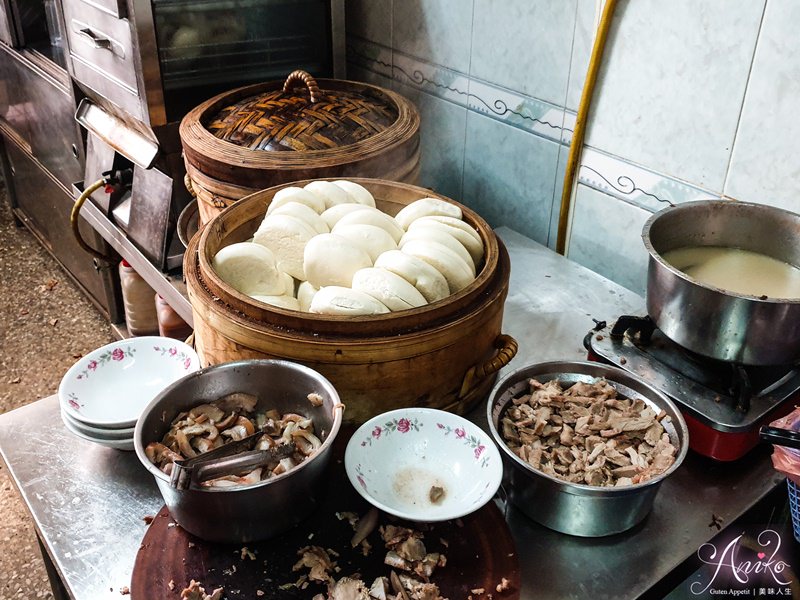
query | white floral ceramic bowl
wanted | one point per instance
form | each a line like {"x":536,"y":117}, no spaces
{"x":109,"y":387}
{"x":101,"y":433}
{"x":122,"y":444}
{"x":423,"y":464}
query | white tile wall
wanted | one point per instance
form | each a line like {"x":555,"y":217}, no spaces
{"x":606,"y":237}
{"x":585,"y":23}
{"x":437,"y":31}
{"x":509,"y":175}
{"x":765,"y":166}
{"x":524,"y":45}
{"x":678,"y":113}
{"x":558,"y":186}
{"x":672,"y":85}
{"x":370,"y":19}
{"x":369,"y":56}
{"x":442,"y":130}
{"x":357,"y":73}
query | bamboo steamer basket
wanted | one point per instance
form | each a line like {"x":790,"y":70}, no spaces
{"x":262,"y":135}
{"x":443,"y":355}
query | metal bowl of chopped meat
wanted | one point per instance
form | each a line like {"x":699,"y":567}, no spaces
{"x":279,"y":416}
{"x":585,"y":445}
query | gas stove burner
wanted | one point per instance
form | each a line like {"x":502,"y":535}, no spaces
{"x":642,"y":327}
{"x":738,"y":384}
{"x":732,"y":400}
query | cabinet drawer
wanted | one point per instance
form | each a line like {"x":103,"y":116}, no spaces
{"x":114,"y":7}
{"x":94,"y":82}
{"x":101,"y":41}
{"x":54,"y":136}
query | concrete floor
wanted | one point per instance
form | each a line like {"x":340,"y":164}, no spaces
{"x":46,"y":323}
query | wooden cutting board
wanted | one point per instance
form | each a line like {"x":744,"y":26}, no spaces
{"x":479,"y":548}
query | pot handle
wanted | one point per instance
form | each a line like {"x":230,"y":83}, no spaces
{"x":187,"y":182}
{"x":306,"y":79}
{"x":506,"y":350}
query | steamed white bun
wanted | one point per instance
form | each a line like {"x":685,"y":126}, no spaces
{"x":388,"y":288}
{"x":430,"y":282}
{"x":249,"y":268}
{"x":358,"y":192}
{"x":425,"y":207}
{"x":287,"y":237}
{"x":296,"y":194}
{"x":374,"y":240}
{"x":336,"y":300}
{"x":330,"y":259}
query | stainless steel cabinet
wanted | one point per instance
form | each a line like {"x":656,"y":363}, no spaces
{"x":41,"y":144}
{"x":102,"y":54}
{"x":36,"y":103}
{"x":54,"y":135}
{"x":44,"y":206}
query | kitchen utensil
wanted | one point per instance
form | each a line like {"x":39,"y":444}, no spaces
{"x":710,"y":321}
{"x":190,"y":473}
{"x":182,"y":470}
{"x":423,"y":464}
{"x":576,"y":509}
{"x":263,"y":509}
{"x":109,"y":387}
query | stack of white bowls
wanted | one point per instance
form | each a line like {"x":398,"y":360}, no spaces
{"x":103,"y":394}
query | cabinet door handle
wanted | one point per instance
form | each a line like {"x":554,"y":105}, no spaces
{"x":98,"y":41}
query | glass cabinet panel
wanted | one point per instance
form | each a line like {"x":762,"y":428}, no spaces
{"x":39,"y":28}
{"x":211,"y":46}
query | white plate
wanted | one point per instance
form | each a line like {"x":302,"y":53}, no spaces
{"x":116,"y":444}
{"x":108,"y":388}
{"x":97,"y":432}
{"x":393,"y":460}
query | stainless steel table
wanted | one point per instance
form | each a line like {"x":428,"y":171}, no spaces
{"x":87,"y":502}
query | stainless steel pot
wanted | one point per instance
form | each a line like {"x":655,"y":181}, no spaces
{"x":575,"y":509}
{"x":710,"y":321}
{"x":258,"y":511}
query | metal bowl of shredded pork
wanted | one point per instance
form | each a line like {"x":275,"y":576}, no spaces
{"x":585,"y":445}
{"x":239,"y":450}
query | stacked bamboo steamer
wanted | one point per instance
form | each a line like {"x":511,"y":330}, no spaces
{"x":267,"y":134}
{"x":442,"y":355}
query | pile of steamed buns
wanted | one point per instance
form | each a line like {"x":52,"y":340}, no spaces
{"x":326,"y":249}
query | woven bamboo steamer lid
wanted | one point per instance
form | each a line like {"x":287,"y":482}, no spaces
{"x":271,"y":133}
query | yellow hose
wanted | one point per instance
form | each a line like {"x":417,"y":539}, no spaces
{"x":576,"y":145}
{"x":74,"y":222}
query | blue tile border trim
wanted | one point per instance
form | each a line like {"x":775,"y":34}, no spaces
{"x":634,"y":184}
{"x":504,"y":105}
